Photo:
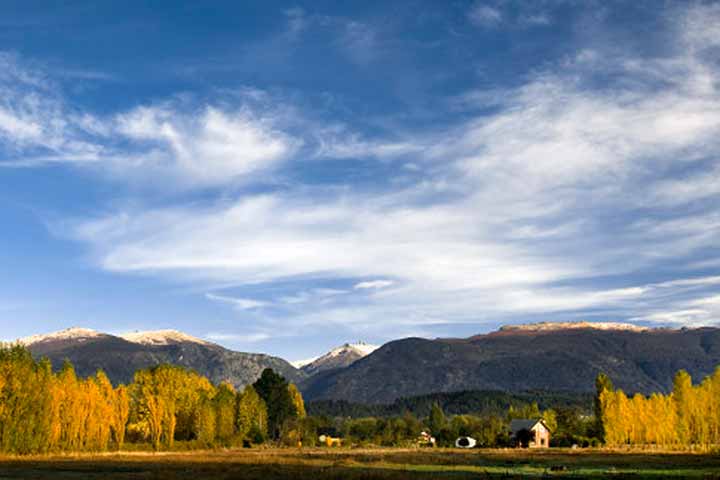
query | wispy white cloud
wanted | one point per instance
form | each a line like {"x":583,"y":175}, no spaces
{"x":490,"y":14}
{"x":373,"y":284}
{"x":271,"y":236}
{"x":695,"y":187}
{"x":210,"y":146}
{"x":338,"y":141}
{"x":189,"y":142}
{"x":484,"y":15}
{"x":702,"y":310}
{"x":359,"y":40}
{"x":237,"y":303}
{"x":319,"y":296}
{"x":297,"y":22}
{"x":533,"y":19}
{"x":238,"y":337}
{"x":36,"y":125}
{"x":689,"y":282}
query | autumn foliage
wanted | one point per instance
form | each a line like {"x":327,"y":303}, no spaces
{"x":688,"y":417}
{"x":42,"y":411}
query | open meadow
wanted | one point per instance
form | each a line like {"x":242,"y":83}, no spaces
{"x":338,"y":464}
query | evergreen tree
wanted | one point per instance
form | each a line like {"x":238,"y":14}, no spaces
{"x":273,"y":389}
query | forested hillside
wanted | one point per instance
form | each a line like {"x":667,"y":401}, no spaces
{"x":455,"y":403}
{"x":516,"y":360}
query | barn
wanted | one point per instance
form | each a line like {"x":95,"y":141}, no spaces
{"x":529,"y":433}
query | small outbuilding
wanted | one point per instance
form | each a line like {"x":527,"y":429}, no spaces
{"x":528,"y":433}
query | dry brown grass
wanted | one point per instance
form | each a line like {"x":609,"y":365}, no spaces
{"x":346,"y":464}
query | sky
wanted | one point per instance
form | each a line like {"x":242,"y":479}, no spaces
{"x":284,"y":177}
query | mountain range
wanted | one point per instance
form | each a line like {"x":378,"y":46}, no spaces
{"x":545,"y":356}
{"x":121,"y":356}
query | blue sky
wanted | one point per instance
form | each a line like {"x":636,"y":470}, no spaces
{"x":288,"y":176}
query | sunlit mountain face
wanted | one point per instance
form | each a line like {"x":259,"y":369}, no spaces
{"x":557,"y":357}
{"x":121,"y":356}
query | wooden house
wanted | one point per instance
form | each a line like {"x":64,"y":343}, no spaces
{"x":527,"y":433}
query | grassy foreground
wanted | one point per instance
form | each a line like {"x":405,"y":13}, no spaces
{"x":319,"y":464}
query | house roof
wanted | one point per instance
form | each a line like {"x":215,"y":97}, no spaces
{"x":525,"y":424}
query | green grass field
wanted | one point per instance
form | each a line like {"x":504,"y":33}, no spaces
{"x":317,"y":464}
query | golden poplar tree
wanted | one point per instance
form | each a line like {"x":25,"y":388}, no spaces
{"x":71,"y":410}
{"x":120,"y":415}
{"x":205,"y":422}
{"x":252,"y":419}
{"x":297,"y":401}
{"x":682,"y":397}
{"x":149,"y":407}
{"x":225,"y":407}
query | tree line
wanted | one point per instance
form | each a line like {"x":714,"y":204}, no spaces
{"x":476,"y":402}
{"x":689,"y":416}
{"x":404,"y":430}
{"x":43,"y":411}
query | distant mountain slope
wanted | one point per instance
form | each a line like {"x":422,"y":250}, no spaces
{"x":339,"y":357}
{"x":120,"y":357}
{"x":559,"y":357}
{"x":455,"y":403}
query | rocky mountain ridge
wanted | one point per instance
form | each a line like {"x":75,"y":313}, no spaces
{"x":514,"y":360}
{"x":119,"y":356}
{"x":546,"y":356}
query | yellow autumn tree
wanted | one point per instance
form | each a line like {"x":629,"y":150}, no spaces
{"x":205,"y":422}
{"x":71,"y":410}
{"x":683,"y":398}
{"x":252,"y":417}
{"x":297,"y":401}
{"x":120,"y":415}
{"x":225,"y":408}
{"x":149,"y":407}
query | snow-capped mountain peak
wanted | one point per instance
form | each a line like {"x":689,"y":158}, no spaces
{"x":341,"y":356}
{"x":360,"y":348}
{"x":161,"y":337}
{"x":73,"y":333}
{"x":302,"y":363}
{"x":552,"y":326}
